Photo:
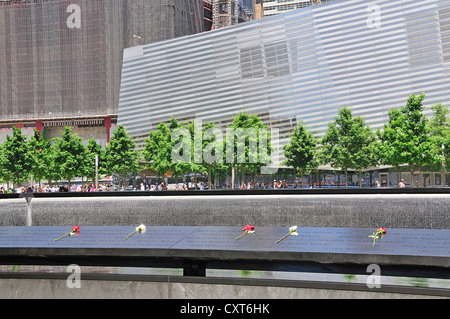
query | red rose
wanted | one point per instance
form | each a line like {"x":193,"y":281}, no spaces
{"x":75,"y":231}
{"x":249,"y":229}
{"x":381,"y":230}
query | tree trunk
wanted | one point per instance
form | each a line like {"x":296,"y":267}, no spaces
{"x":398,"y":175}
{"x":360,"y":173}
{"x":195,"y":180}
{"x":318,"y":175}
{"x":209,"y":176}
{"x":346,"y":177}
{"x":339,"y":179}
{"x":443,"y":167}
{"x":233,"y":177}
{"x":303,"y":185}
{"x":18,"y":179}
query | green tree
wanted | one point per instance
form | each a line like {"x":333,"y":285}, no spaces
{"x":39,"y":149}
{"x":439,"y":127}
{"x":406,"y":137}
{"x":121,"y":157}
{"x":420,"y":149}
{"x":52,"y":171}
{"x":365,"y":147}
{"x":196,"y":163}
{"x":212,"y":150}
{"x":16,"y":155}
{"x":158,"y":149}
{"x":301,"y":151}
{"x":5,"y":174}
{"x":206,"y":145}
{"x":243,"y":147}
{"x":390,"y":148}
{"x":94,"y":149}
{"x":70,"y":155}
{"x":345,"y":141}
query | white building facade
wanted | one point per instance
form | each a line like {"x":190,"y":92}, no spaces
{"x":301,"y":65}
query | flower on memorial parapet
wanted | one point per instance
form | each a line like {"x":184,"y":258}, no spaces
{"x":75,"y":231}
{"x":140,"y":229}
{"x":380,"y":233}
{"x":249,"y":229}
{"x":292,"y":232}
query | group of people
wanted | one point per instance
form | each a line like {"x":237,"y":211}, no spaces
{"x":4,"y":190}
{"x":275,"y":185}
{"x":401,"y":184}
{"x":158,"y":187}
{"x":34,"y":189}
{"x":89,"y":188}
{"x":55,"y":189}
{"x":163,"y":187}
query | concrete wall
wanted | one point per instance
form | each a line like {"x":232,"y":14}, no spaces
{"x":175,"y":289}
{"x":387,"y":210}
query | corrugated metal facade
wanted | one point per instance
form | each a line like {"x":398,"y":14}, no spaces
{"x":50,"y":68}
{"x":301,"y":65}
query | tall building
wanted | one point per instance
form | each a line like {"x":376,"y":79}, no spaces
{"x":225,"y":13}
{"x":258,"y":9}
{"x":61,"y":61}
{"x":208,"y":15}
{"x":250,"y":10}
{"x":300,"y":65}
{"x":272,"y":7}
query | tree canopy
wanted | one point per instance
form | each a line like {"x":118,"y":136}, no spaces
{"x":406,"y":138}
{"x":121,"y":156}
{"x":16,"y":159}
{"x":348,"y":143}
{"x":71,"y":155}
{"x":301,"y":150}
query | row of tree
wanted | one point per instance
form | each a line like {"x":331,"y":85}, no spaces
{"x":407,"y":138}
{"x":64,"y":158}
{"x":67,"y":157}
{"x":188,"y":147}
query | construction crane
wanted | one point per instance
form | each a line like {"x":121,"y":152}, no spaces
{"x":314,"y":2}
